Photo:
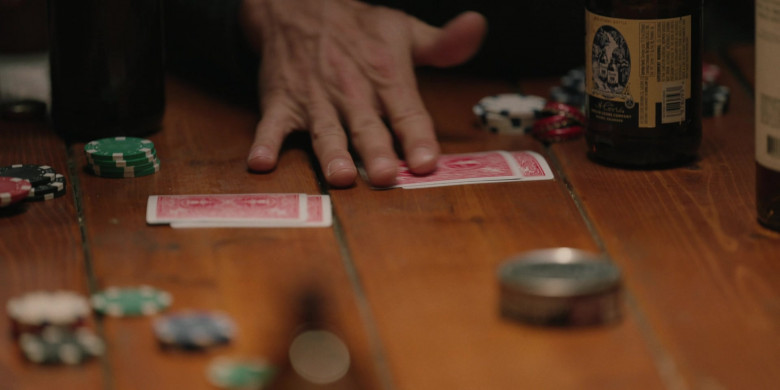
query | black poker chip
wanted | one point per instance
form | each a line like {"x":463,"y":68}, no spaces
{"x":715,"y":100}
{"x":37,"y":175}
{"x":57,"y":345}
{"x":51,"y":190}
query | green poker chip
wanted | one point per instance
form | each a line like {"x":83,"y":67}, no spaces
{"x":134,"y":162}
{"x":228,"y":373}
{"x":131,"y":301}
{"x":127,"y":172}
{"x":119,"y":148}
{"x":128,"y":169}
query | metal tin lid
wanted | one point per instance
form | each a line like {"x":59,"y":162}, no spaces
{"x":559,"y":272}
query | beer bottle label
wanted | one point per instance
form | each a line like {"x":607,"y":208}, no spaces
{"x":768,"y":84}
{"x":638,"y":71}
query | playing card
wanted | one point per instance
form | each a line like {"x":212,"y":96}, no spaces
{"x":532,"y":165}
{"x":461,"y":169}
{"x":473,"y":168}
{"x":318,"y":214}
{"x":270,"y":208}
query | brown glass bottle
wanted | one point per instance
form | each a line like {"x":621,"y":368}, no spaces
{"x":107,"y":71}
{"x":767,"y":114}
{"x":643,"y":81}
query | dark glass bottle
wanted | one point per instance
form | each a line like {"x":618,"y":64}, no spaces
{"x":107,"y":70}
{"x":643,"y":81}
{"x":767,"y":101}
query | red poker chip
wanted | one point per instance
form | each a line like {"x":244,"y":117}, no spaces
{"x":564,"y":109}
{"x":710,"y":73}
{"x":561,"y":134}
{"x":13,"y":190}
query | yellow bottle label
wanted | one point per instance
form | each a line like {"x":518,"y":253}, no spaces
{"x":638,"y":72}
{"x":768,"y":83}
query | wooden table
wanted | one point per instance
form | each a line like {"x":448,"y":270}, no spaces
{"x":407,"y":277}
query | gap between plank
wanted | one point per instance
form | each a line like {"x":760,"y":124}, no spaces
{"x":92,"y":288}
{"x":364,"y":308}
{"x":665,"y":364}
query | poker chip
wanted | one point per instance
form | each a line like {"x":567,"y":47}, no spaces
{"x":571,"y":90}
{"x":48,"y":191}
{"x":559,"y":122}
{"x":710,"y":73}
{"x":125,"y":163}
{"x":56,"y":345}
{"x":35,"y":310}
{"x":122,"y":157}
{"x":129,"y":172}
{"x":119,"y":148}
{"x":36,"y":174}
{"x":13,"y":190}
{"x":559,"y":287}
{"x":194,"y":329}
{"x":228,"y":373}
{"x":508,"y":113}
{"x":715,"y":100}
{"x":131,"y":301}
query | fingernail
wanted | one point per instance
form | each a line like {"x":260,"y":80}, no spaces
{"x":336,"y":165}
{"x":384,"y":164}
{"x":260,"y":153}
{"x":424,"y":155}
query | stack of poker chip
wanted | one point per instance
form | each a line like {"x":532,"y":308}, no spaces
{"x":715,"y":97}
{"x":558,"y":122}
{"x":571,"y":91}
{"x":33,"y":182}
{"x":508,"y":113}
{"x":122,"y":157}
{"x":50,"y":327}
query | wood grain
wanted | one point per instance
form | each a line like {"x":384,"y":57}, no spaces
{"x":703,"y":272}
{"x":40,"y":249}
{"x":256,"y":276}
{"x":427,"y":260}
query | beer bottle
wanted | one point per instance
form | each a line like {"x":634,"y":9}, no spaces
{"x":643,"y":81}
{"x":767,"y":103}
{"x":107,"y":71}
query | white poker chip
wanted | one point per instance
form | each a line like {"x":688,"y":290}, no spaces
{"x":48,"y":308}
{"x":508,"y":113}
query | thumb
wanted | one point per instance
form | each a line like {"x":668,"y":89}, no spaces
{"x":450,"y":45}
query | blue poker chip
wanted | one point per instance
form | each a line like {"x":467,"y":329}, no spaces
{"x":191,"y":329}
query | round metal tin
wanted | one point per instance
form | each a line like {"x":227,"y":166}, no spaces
{"x":560,"y":286}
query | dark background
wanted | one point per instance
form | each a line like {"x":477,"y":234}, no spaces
{"x":525,"y":38}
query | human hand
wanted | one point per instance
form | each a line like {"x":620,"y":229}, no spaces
{"x":324,"y":63}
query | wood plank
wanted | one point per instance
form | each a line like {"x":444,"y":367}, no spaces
{"x":702,"y":270}
{"x":254,"y":275}
{"x":427,"y":260}
{"x":40,"y":250}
